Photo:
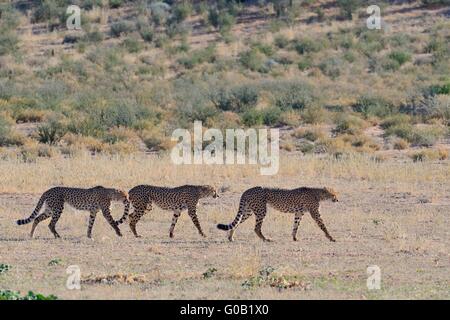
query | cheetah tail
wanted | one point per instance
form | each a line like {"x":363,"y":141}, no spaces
{"x":233,"y":224}
{"x":126,"y":210}
{"x":34,"y":214}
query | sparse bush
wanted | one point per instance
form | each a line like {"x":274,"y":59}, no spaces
{"x":315,"y":115}
{"x":121,"y":27}
{"x":132,"y":45}
{"x":281,"y":41}
{"x":429,"y":154}
{"x":51,"y":132}
{"x":196,"y":57}
{"x":237,"y":99}
{"x":307,"y":45}
{"x":347,"y":7}
{"x":291,"y":94}
{"x":370,"y":105}
{"x":253,"y":118}
{"x":254,"y":60}
{"x":312,"y":134}
{"x":395,"y":120}
{"x":331,"y":67}
{"x":417,"y":136}
{"x":400,"y":144}
{"x":115,"y":3}
{"x":400,"y":57}
{"x":349,"y":124}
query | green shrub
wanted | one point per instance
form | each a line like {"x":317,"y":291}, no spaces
{"x":8,"y":43}
{"x":132,"y":45}
{"x":370,"y":105}
{"x":253,"y":118}
{"x":395,"y":120}
{"x":254,"y":60}
{"x":121,"y":27}
{"x":435,"y":2}
{"x":272,"y":116}
{"x":7,"y":136}
{"x":15,"y":295}
{"x":400,"y":57}
{"x":237,"y":99}
{"x":305,"y":64}
{"x":221,"y":20}
{"x":51,"y":132}
{"x":281,"y":41}
{"x":115,"y":3}
{"x":349,"y":124}
{"x":198,"y":57}
{"x":425,"y":137}
{"x":347,"y":7}
{"x":331,"y":67}
{"x":307,"y":45}
{"x":182,"y":11}
{"x":291,"y":94}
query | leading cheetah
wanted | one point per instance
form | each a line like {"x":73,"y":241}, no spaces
{"x":294,"y":201}
{"x":92,"y":200}
{"x":175,"y":199}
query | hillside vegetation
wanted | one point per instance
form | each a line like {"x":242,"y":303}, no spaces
{"x":139,"y":69}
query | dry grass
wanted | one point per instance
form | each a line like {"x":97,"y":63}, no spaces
{"x":392,"y":214}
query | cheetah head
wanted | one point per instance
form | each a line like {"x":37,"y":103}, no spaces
{"x":209,"y":191}
{"x":331,"y":194}
{"x":120,"y":195}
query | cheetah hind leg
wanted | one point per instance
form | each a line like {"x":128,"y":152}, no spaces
{"x":45,"y":215}
{"x":246,"y":214}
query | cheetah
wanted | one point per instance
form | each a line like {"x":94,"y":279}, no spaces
{"x":92,"y":200}
{"x":175,"y":199}
{"x":293,"y":201}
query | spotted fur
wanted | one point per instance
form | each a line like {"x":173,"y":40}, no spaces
{"x":92,"y":200}
{"x":295,"y":201}
{"x":174,"y":199}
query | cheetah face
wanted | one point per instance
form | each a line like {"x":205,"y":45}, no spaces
{"x":210,"y":191}
{"x":120,"y":195}
{"x":332,"y":194}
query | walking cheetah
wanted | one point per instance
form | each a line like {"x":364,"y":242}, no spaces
{"x":92,"y":200}
{"x":294,"y":201}
{"x":175,"y":199}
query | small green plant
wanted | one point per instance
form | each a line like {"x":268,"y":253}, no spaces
{"x":15,"y":295}
{"x":55,"y":262}
{"x":209,"y":273}
{"x":4,"y":268}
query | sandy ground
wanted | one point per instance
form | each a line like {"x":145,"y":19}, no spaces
{"x":393,"y":215}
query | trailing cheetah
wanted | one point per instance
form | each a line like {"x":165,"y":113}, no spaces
{"x":92,"y":200}
{"x":294,"y":201}
{"x":175,"y":199}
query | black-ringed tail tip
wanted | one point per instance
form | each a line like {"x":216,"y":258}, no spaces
{"x":223,"y":227}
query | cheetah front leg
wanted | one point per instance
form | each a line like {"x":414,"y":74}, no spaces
{"x":192,"y":212}
{"x":134,"y":219}
{"x":297,"y":219}
{"x":93,"y":214}
{"x":316,"y":216}
{"x":55,"y":217}
{"x":107,"y":214}
{"x":175,"y":217}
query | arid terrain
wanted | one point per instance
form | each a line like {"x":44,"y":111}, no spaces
{"x":393,"y":214}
